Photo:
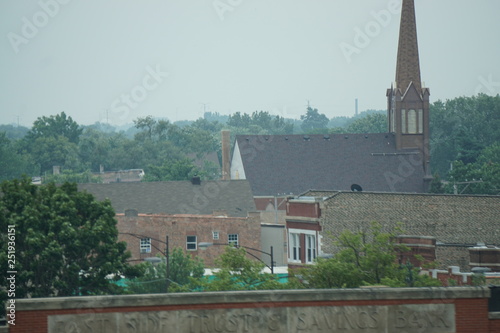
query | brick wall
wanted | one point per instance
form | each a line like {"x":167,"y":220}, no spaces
{"x":278,"y":310}
{"x":305,"y":209}
{"x":178,"y":227}
{"x":450,"y":219}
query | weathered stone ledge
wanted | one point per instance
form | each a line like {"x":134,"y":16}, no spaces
{"x":235,"y":297}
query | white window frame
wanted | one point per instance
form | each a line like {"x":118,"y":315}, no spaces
{"x":233,"y":239}
{"x":145,"y":245}
{"x":215,"y":235}
{"x":190,"y":243}
{"x":311,"y":248}
{"x":307,"y":233}
{"x":294,"y":247}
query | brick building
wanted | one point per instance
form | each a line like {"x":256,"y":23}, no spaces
{"x":146,"y":234}
{"x":188,"y":212}
{"x":457,"y":222}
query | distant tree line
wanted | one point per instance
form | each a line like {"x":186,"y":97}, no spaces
{"x":465,"y":136}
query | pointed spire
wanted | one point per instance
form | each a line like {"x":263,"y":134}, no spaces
{"x":408,"y":66}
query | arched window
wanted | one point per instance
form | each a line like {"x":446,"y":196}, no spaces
{"x":393,"y":127}
{"x":420,"y":121}
{"x":412,"y":122}
{"x":403,"y":121}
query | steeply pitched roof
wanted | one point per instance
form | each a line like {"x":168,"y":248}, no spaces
{"x":408,"y":64}
{"x":285,"y":164}
{"x":177,"y":197}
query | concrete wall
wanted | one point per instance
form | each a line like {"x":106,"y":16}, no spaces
{"x":387,"y":310}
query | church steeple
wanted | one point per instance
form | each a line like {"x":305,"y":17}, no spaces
{"x":408,"y":65}
{"x":407,"y":99}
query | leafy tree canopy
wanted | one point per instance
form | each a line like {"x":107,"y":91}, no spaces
{"x":65,"y":241}
{"x":184,"y":275}
{"x":12,"y":163}
{"x":313,"y":120}
{"x":54,"y":126}
{"x":372,"y":123}
{"x":237,"y":272}
{"x":365,"y":258}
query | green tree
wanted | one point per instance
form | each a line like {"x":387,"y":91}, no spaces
{"x":371,"y":123}
{"x":436,"y":185}
{"x":313,"y":120}
{"x":365,"y":258}
{"x":237,"y":272}
{"x":94,"y":149}
{"x":14,"y":132}
{"x":54,"y":141}
{"x":181,"y":169}
{"x":66,"y":242}
{"x":461,"y":127}
{"x":55,"y":126}
{"x":50,"y":151}
{"x":332,"y":273}
{"x":373,"y":252}
{"x":12,"y":163}
{"x":185,"y":273}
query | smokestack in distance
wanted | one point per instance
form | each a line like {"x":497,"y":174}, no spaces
{"x":226,"y":148}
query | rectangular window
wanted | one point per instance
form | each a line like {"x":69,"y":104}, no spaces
{"x":232,"y":239}
{"x":145,"y":246}
{"x":215,"y":235}
{"x":295,"y":247}
{"x":310,"y":248}
{"x":191,"y":243}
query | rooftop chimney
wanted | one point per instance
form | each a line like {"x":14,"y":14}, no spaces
{"x":226,"y":147}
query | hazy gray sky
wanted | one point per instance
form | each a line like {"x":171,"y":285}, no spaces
{"x":118,"y":60}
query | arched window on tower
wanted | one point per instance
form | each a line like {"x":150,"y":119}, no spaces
{"x":403,"y":121}
{"x":420,"y":121}
{"x":392,"y":121}
{"x":412,"y":122}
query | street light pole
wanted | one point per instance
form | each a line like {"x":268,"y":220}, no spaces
{"x":167,"y":259}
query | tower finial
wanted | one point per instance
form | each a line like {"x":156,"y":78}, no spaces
{"x":408,"y":65}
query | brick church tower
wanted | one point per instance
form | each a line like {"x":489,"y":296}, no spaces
{"x":408,"y":99}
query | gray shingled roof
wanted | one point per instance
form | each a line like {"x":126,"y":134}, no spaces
{"x":177,"y":197}
{"x":285,"y":164}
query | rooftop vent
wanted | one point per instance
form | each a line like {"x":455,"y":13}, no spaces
{"x":356,"y":188}
{"x":307,"y":138}
{"x":196,"y":180}
{"x":326,"y":137}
